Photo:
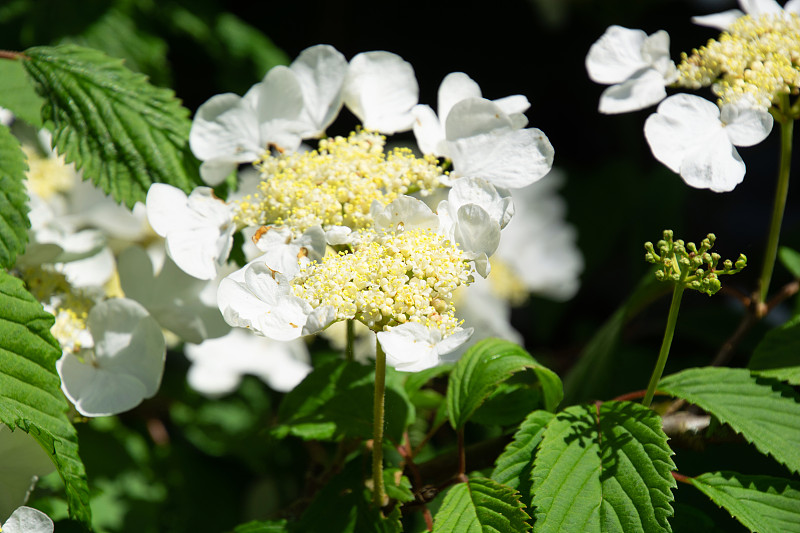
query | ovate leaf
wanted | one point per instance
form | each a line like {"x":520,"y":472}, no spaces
{"x":480,"y":506}
{"x":765,"y":412}
{"x":778,"y":354}
{"x":30,"y":389}
{"x":486,"y":364}
{"x":123,"y":132}
{"x":271,"y":526}
{"x":761,"y":503}
{"x":513,"y":467}
{"x":603,"y":469}
{"x":790,"y":259}
{"x":14,"y":221}
{"x":17,"y":94}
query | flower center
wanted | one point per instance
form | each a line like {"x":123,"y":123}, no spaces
{"x":758,"y":57}
{"x":394,"y":279}
{"x":335,"y":184}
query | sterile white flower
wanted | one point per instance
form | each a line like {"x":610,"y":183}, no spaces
{"x":723,"y":20}
{"x":22,"y":462}
{"x":637,"y":66}
{"x":429,"y":129}
{"x":219,"y":364}
{"x":412,"y":347}
{"x":28,"y":520}
{"x":485,"y":142}
{"x":122,"y":368}
{"x":174,"y":298}
{"x":321,"y":71}
{"x":228,"y":129}
{"x":284,"y":253}
{"x":199,"y":228}
{"x":381,"y":89}
{"x":696,"y":139}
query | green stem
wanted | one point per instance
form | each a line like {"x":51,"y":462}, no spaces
{"x":781,"y":192}
{"x":377,"y":427}
{"x":350,"y":351}
{"x":672,"y":319}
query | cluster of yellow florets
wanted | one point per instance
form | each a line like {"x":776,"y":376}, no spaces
{"x":758,"y":57}
{"x":47,"y":176}
{"x":335,"y":184}
{"x":394,"y":279}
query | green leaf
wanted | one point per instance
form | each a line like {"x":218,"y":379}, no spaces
{"x":513,"y":466}
{"x":597,"y":366}
{"x":398,"y":486}
{"x":603,"y":469}
{"x":336,"y":399}
{"x":778,"y":354}
{"x":790,"y":259}
{"x":17,"y":94}
{"x":30,"y":389}
{"x":765,"y":412}
{"x":480,"y":506}
{"x":271,"y":526}
{"x":14,"y":221}
{"x":124,"y":133}
{"x":483,"y":366}
{"x":761,"y":503}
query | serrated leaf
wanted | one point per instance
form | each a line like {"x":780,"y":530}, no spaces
{"x":123,"y":132}
{"x":590,"y":377}
{"x":778,"y":354}
{"x":398,"y":486}
{"x":336,"y":399}
{"x":765,"y":412}
{"x":14,"y":221}
{"x":513,"y":466}
{"x":17,"y":94}
{"x":30,"y":389}
{"x":603,"y":469}
{"x":790,"y":259}
{"x":271,"y":526}
{"x":763,"y":504}
{"x":480,"y":506}
{"x":486,"y":364}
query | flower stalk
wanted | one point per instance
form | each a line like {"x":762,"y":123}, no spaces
{"x":666,"y":343}
{"x":377,"y":428}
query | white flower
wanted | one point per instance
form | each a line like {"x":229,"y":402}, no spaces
{"x":696,"y":139}
{"x":483,"y":141}
{"x":259,"y":298}
{"x":28,"y":520}
{"x":198,"y":229}
{"x":173,"y":298}
{"x":122,"y":368}
{"x":284,"y":253}
{"x":723,"y":20}
{"x":218,"y":364}
{"x":457,"y":86}
{"x":637,"y":67}
{"x":22,"y":462}
{"x":321,"y":71}
{"x":381,"y":89}
{"x":412,"y":347}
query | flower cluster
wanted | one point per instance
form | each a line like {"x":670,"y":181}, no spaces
{"x":753,"y":67}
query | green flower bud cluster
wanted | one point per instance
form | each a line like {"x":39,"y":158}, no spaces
{"x":692,"y":266}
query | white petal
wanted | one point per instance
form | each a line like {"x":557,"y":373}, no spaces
{"x":745,"y":125}
{"x":455,"y":87}
{"x":792,"y":6}
{"x":453,"y":341}
{"x":321,"y":71}
{"x":404,"y":213}
{"x":720,"y":21}
{"x":760,"y":7}
{"x":280,"y":104}
{"x":681,"y":123}
{"x":505,"y":158}
{"x":409,"y":347}
{"x":616,"y":55}
{"x":641,"y":90}
{"x":513,"y":105}
{"x":225,"y":127}
{"x":475,"y":116}
{"x":428,"y":130}
{"x":96,"y":392}
{"x":475,"y":231}
{"x":214,"y":171}
{"x":94,"y":271}
{"x":655,"y":51}
{"x":497,"y":204}
{"x":715,"y":165}
{"x":212,"y":380}
{"x":380,"y":90}
{"x":28,"y":520}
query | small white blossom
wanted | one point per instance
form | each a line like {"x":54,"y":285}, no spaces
{"x":637,"y":66}
{"x":124,"y":365}
{"x":696,"y":139}
{"x":199,"y":228}
{"x":28,"y":520}
{"x":412,"y":347}
{"x":722,"y":21}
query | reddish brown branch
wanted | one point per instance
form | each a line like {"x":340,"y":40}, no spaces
{"x":10,"y":54}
